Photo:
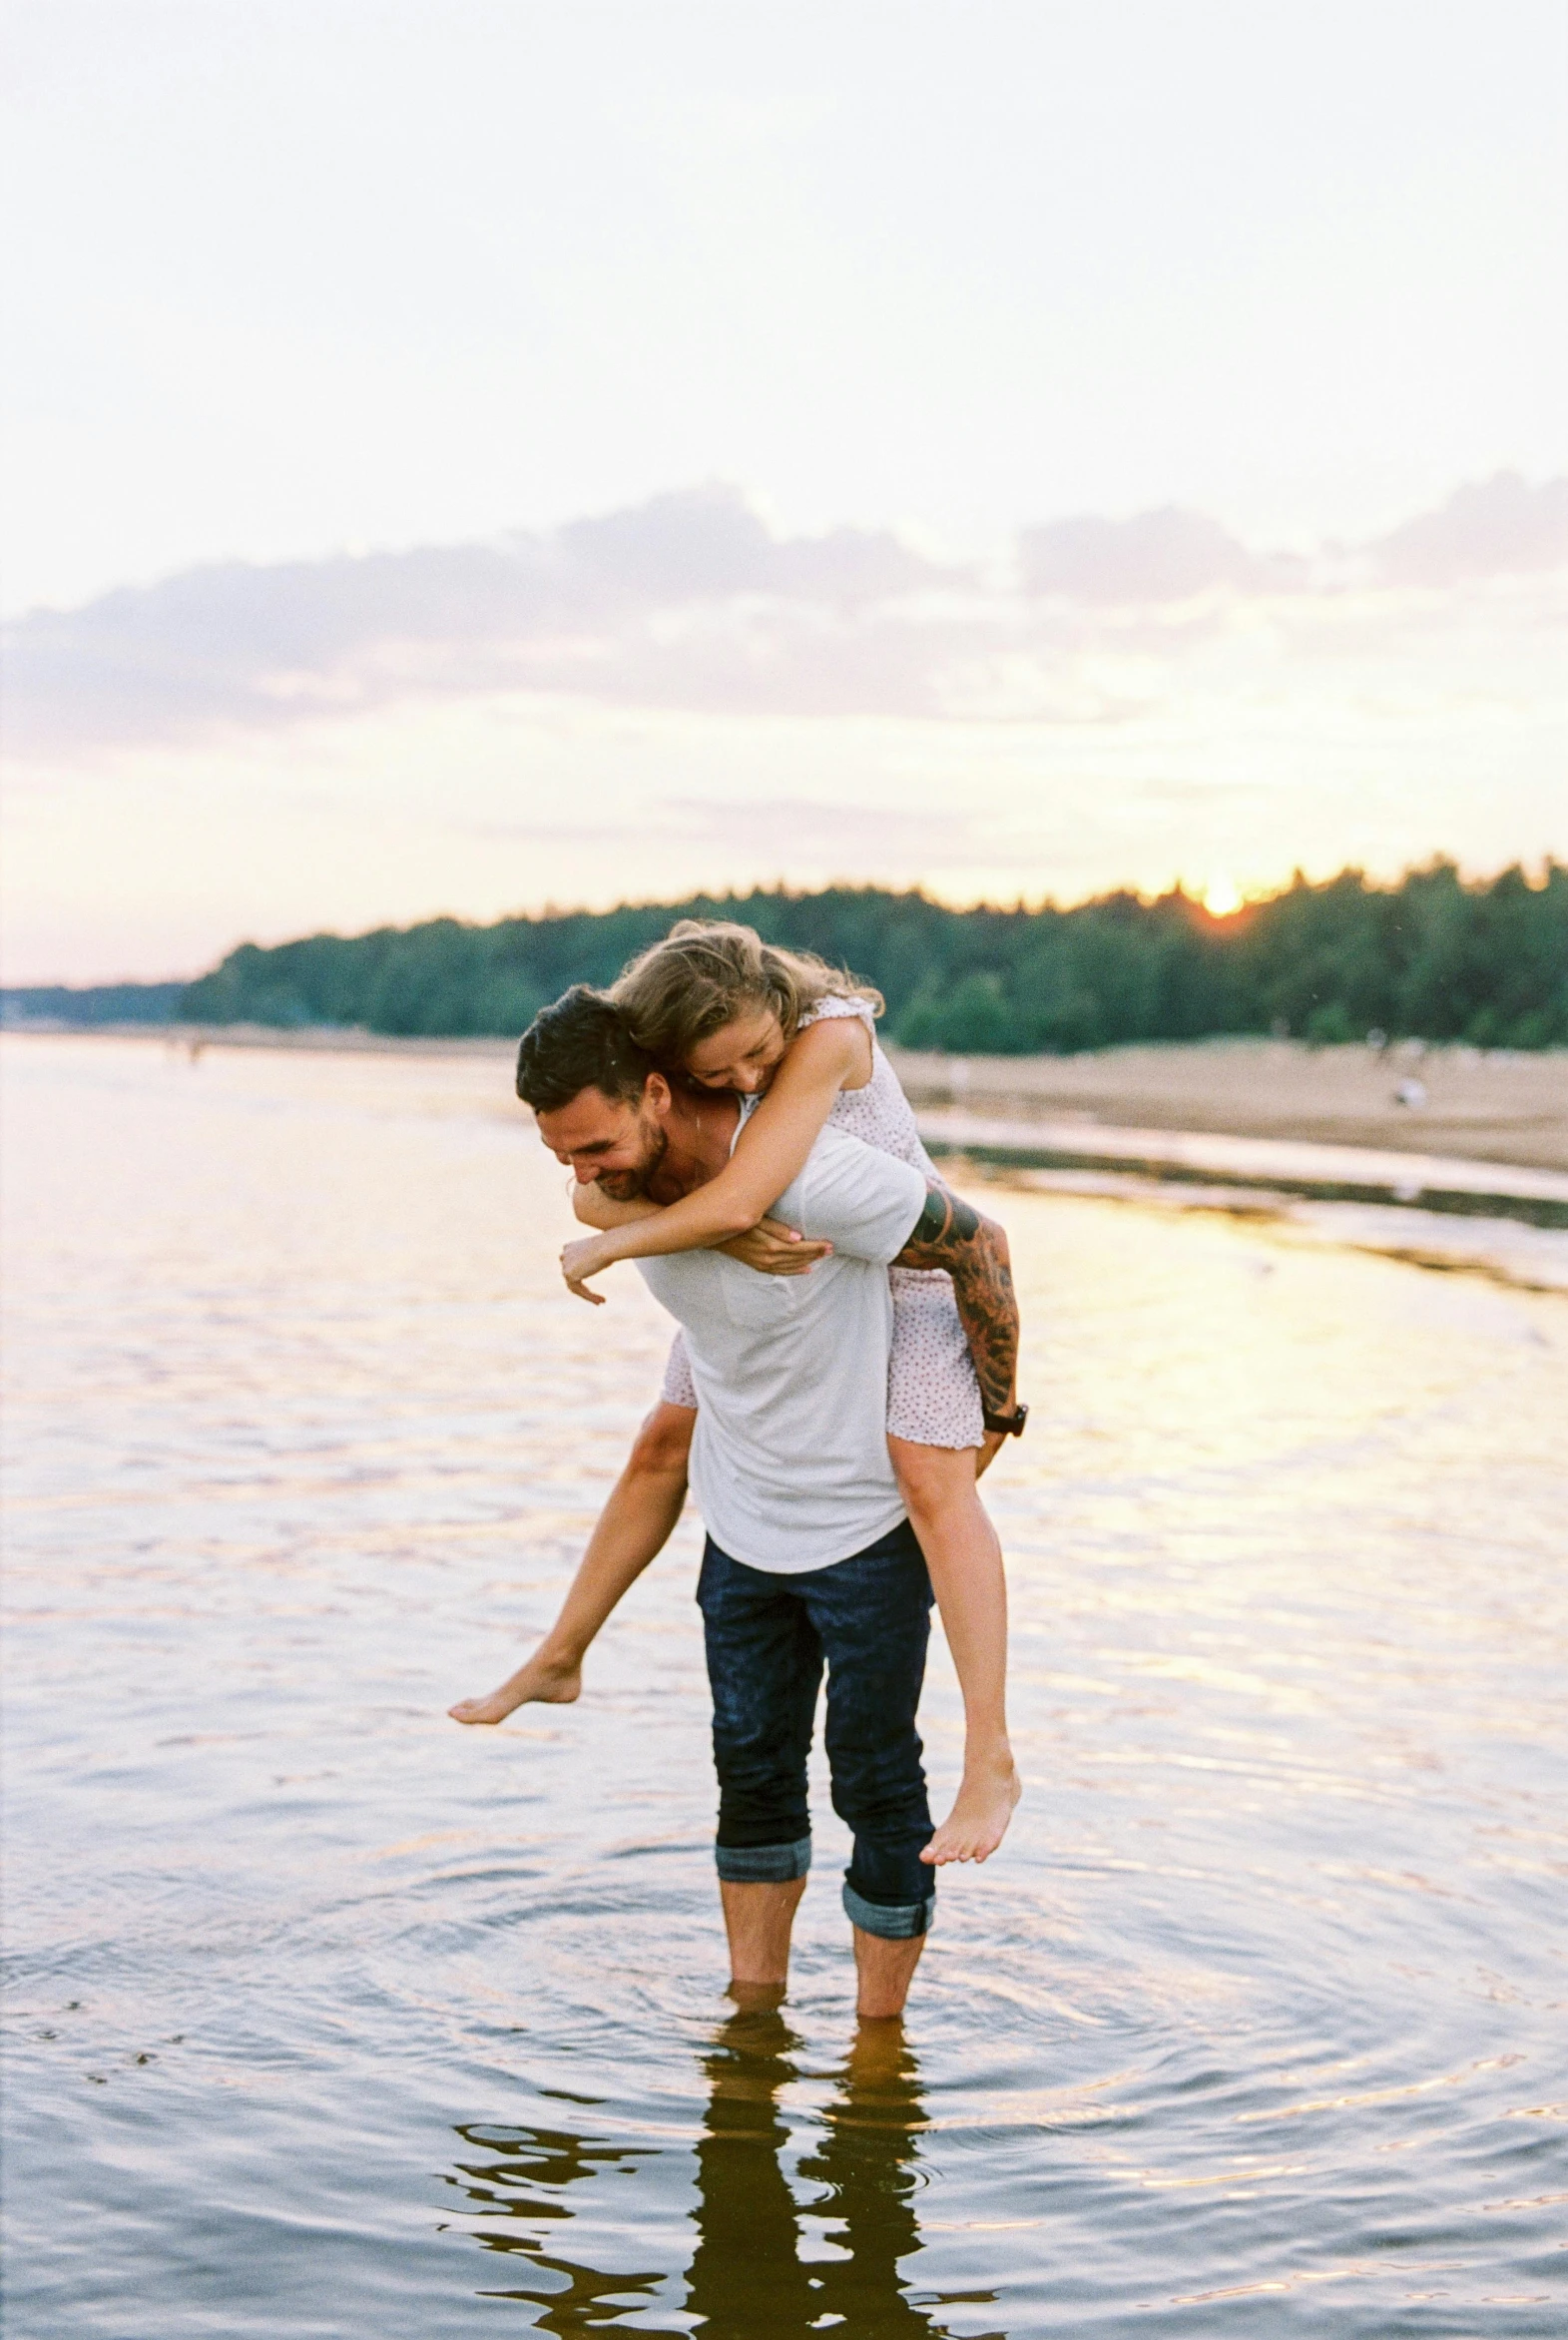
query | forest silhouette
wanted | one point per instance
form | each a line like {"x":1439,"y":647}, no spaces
{"x":1431,"y":957}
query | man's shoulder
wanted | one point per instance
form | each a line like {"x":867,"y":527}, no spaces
{"x":841,"y":1161}
{"x":839,"y":1154}
{"x":864,"y":1200}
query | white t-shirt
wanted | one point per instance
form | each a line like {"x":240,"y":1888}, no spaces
{"x":790,"y":1455}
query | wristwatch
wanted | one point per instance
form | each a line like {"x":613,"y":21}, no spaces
{"x":1011,"y":1426}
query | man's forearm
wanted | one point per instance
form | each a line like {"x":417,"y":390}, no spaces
{"x":983,"y":1289}
{"x":952,"y":1235}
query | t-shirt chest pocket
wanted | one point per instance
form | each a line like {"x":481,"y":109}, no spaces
{"x":754,"y":1302}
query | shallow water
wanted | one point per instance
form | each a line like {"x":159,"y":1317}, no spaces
{"x":328,"y":2017}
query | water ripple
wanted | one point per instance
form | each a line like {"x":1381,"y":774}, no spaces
{"x":325,"y":2017}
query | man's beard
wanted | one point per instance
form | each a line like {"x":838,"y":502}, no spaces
{"x":629,"y":1186}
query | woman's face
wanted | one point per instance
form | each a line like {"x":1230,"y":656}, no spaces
{"x":742,"y":1054}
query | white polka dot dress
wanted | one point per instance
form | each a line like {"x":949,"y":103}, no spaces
{"x":933,"y":1397}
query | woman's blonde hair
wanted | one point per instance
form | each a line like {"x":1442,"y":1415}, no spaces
{"x":706,"y":971}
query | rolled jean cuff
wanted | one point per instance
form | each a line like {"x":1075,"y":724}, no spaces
{"x":894,"y":1921}
{"x":764,"y":1864}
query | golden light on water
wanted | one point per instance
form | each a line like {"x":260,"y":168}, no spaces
{"x":297,"y":1457}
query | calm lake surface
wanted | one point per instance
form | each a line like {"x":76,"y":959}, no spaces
{"x":330,"y":2016}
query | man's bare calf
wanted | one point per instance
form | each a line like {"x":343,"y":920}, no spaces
{"x":885,"y":1971}
{"x":760,"y":1920}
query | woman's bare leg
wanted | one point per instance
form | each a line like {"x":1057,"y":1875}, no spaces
{"x":965,"y":1561}
{"x":634,"y":1526}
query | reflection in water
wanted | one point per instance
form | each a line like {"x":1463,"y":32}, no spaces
{"x":749,"y":2278}
{"x":579,"y":2299}
{"x":747,"y":2221}
{"x":858,"y":2227}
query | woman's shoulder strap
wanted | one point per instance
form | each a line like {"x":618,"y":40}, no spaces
{"x":833,"y":1004}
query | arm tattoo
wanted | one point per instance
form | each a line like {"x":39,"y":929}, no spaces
{"x":943,"y":1214}
{"x":952,"y":1236}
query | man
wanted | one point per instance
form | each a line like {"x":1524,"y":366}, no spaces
{"x":810,"y":1555}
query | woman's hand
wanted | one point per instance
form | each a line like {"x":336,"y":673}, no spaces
{"x":587,"y":1256}
{"x":990,"y":1447}
{"x":776,"y":1250}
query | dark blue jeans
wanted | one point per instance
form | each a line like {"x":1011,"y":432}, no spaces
{"x":767,"y":1637}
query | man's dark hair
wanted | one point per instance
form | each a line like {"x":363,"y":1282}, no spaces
{"x":580,"y":1042}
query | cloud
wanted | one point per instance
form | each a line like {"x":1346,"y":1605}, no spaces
{"x":1156,"y":557}
{"x":691,"y":602}
{"x":243,"y":643}
{"x":1501,"y":528}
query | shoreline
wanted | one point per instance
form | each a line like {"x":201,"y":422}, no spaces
{"x":1274,"y":1167}
{"x":1500,"y":1106}
{"x":1475,"y":1180}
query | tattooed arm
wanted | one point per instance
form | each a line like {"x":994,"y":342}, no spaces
{"x":952,"y":1234}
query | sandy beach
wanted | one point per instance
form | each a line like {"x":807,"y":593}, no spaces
{"x":1502,"y":1106}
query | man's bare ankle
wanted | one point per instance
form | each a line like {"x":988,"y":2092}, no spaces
{"x":749,"y":1995}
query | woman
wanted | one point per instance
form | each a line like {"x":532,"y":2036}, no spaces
{"x":715,"y":1004}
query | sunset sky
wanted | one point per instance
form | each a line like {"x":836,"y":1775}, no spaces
{"x":466,"y":458}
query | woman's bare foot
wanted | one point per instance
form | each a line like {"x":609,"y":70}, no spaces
{"x":987,"y":1796}
{"x":554,"y":1682}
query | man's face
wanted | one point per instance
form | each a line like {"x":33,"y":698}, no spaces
{"x":607,"y":1140}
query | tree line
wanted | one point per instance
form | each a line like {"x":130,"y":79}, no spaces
{"x":1431,"y":957}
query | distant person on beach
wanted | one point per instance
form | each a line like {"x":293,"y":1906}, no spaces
{"x":810,"y":1554}
{"x":716,"y":1008}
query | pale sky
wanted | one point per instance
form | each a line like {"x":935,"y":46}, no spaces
{"x":294,"y":284}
